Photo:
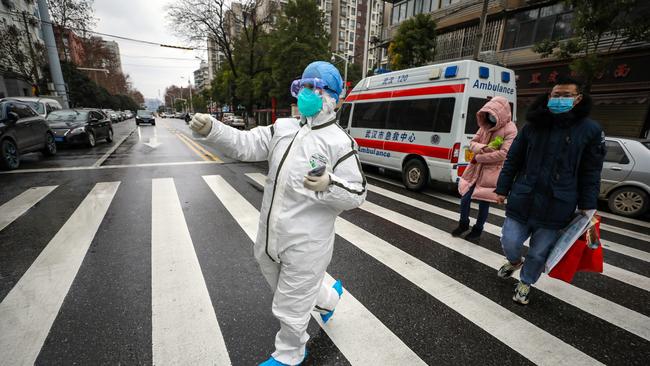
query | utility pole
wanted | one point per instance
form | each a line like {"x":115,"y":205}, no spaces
{"x":189,"y":85}
{"x":481,"y":32}
{"x":52,"y":54}
{"x":31,"y":49}
{"x":364,"y":72}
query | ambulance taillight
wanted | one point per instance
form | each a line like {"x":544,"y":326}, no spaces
{"x":455,"y":153}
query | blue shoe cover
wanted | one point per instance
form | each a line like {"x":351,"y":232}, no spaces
{"x":273,"y":362}
{"x":338,"y":287}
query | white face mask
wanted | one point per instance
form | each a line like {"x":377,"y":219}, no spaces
{"x":491,"y":119}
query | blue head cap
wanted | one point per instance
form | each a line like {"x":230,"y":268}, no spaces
{"x":329,"y":74}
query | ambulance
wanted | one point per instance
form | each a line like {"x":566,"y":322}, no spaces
{"x":420,"y":121}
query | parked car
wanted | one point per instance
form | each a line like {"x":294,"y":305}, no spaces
{"x":625,"y":180}
{"x":80,"y":126}
{"x":42,"y":106}
{"x":237,"y":122}
{"x":145,"y":116}
{"x":178,"y":114}
{"x":128,"y":114}
{"x":122,"y":115}
{"x":112,"y":115}
{"x":227,"y":117}
{"x":22,"y":130}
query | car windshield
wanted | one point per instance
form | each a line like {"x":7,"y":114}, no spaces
{"x":38,"y":107}
{"x":143,"y":113}
{"x":68,"y":116}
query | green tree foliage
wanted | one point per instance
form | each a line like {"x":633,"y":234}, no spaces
{"x":84,"y":92}
{"x":600,"y":29}
{"x":414,"y":44}
{"x":299,"y":39}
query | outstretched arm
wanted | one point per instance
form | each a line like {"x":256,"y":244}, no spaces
{"x":250,"y":145}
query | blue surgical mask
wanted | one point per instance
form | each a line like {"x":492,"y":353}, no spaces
{"x":309,"y":103}
{"x":560,"y":104}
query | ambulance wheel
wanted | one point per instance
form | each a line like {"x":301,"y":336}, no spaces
{"x":415,"y":174}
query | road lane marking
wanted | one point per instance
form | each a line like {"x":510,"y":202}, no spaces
{"x":355,"y":331}
{"x":499,"y":212}
{"x":15,"y":208}
{"x":29,"y":310}
{"x":609,"y":311}
{"x":614,"y":247}
{"x":101,"y":160}
{"x":185,"y":329}
{"x":202,"y":156}
{"x":510,"y":329}
{"x":617,"y":273}
{"x":199,"y":147}
{"x":502,"y":324}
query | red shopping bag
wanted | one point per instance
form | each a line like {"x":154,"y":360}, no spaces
{"x":580,"y":257}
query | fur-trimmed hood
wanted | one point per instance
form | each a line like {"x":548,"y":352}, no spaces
{"x":539,"y":115}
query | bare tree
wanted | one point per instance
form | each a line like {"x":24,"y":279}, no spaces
{"x":16,"y":57}
{"x":75,"y":15}
{"x":197,"y":20}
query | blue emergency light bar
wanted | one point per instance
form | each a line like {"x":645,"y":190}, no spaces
{"x":483,"y":72}
{"x":451,"y":71}
{"x":505,"y":76}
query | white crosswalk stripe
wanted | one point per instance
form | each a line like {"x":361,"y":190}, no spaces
{"x":185,"y":327}
{"x":617,"y":273}
{"x":502,"y":213}
{"x":30,"y":308}
{"x":357,"y":333}
{"x":15,"y":208}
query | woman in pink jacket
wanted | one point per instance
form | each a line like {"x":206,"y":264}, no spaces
{"x":490,"y":147}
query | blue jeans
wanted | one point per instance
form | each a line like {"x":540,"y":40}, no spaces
{"x":483,"y":210}
{"x":513,"y":236}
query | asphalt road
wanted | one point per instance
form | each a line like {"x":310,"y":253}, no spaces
{"x":140,"y":252}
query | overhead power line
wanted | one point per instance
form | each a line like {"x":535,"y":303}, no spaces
{"x":108,"y":34}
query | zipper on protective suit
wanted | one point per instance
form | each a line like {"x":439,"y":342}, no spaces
{"x":278,"y":176}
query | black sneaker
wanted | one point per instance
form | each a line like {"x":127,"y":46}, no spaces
{"x":508,"y":269}
{"x":473,"y":235}
{"x":460,"y":229}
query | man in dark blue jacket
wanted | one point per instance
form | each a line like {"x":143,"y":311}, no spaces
{"x":553,"y":166}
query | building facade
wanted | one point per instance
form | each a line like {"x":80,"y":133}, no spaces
{"x":201,"y":80}
{"x":621,"y":94}
{"x":24,"y":18}
{"x":114,"y":49}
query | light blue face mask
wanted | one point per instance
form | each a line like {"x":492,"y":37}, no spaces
{"x":309,"y":103}
{"x":560,"y":104}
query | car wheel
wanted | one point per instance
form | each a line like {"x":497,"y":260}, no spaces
{"x":153,"y":123}
{"x":50,"y":145}
{"x":9,"y":156}
{"x":137,"y":123}
{"x":628,"y":201}
{"x":109,"y":138}
{"x":91,"y":139}
{"x":415,"y":175}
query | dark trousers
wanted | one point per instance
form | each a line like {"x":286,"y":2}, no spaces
{"x":483,"y":210}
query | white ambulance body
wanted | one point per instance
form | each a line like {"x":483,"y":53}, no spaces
{"x":420,"y":121}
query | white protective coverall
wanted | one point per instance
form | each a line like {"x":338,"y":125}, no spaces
{"x":295,"y":237}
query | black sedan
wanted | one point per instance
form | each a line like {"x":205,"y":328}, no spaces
{"x":22,"y":131}
{"x":80,"y":126}
{"x":145,"y":116}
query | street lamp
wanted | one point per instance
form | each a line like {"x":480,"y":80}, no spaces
{"x":345,"y":77}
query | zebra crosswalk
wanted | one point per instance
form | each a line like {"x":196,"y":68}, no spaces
{"x":414,"y":294}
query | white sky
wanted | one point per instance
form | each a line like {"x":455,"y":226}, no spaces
{"x":146,"y":20}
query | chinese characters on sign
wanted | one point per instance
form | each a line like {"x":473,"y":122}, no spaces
{"x":536,"y":78}
{"x":399,"y":136}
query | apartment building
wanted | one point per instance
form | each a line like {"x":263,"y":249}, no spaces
{"x":201,"y":80}
{"x":621,"y":94}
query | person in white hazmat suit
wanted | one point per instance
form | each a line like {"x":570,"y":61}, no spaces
{"x":314,"y":175}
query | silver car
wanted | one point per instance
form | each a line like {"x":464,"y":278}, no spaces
{"x":625,"y":180}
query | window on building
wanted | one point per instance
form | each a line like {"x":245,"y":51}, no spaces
{"x":426,"y":6}
{"x":370,"y":115}
{"x":353,"y":12}
{"x":395,"y":18}
{"x":448,"y":2}
{"x":351,"y":37}
{"x":410,"y":10}
{"x":533,"y":26}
